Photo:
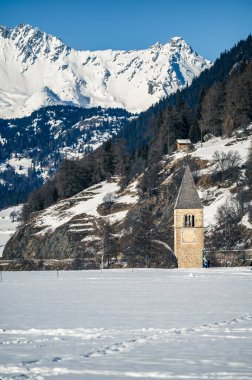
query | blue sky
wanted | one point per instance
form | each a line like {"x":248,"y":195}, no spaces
{"x":209,"y":26}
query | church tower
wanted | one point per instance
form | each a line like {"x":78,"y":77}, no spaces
{"x":188,"y":224}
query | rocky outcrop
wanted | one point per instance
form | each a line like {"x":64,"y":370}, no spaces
{"x":30,"y":242}
{"x":65,"y":232}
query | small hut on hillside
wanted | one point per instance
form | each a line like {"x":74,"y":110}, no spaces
{"x":183,"y":144}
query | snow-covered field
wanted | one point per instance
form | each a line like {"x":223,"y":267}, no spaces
{"x":123,"y":324}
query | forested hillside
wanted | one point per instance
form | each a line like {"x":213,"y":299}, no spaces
{"x":217,"y":102}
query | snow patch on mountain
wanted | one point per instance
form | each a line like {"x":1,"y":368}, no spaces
{"x":38,"y":69}
{"x":225,"y":145}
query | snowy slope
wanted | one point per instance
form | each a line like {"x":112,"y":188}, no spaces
{"x":124,"y":324}
{"x":7,"y":226}
{"x":76,"y":223}
{"x":217,"y":196}
{"x":86,"y":203}
{"x":37,"y":69}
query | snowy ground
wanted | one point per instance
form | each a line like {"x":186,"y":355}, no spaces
{"x":123,"y":324}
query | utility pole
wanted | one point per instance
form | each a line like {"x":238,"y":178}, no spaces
{"x":168,"y":141}
{"x":102,"y":262}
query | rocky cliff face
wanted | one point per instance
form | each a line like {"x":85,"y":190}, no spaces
{"x":38,"y":69}
{"x":73,"y":228}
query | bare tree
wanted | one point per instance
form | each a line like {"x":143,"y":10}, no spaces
{"x":228,"y":231}
{"x":13,"y":216}
{"x":227,"y":161}
{"x":107,"y":244}
{"x":229,"y":164}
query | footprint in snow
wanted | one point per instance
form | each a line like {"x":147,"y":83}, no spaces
{"x":56,"y":359}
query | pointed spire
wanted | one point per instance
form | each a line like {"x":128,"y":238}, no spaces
{"x":188,"y":197}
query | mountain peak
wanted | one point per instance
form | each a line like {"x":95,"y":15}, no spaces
{"x":25,"y":27}
{"x":26,"y":30}
{"x":177,"y":39}
{"x":30,"y":44}
{"x":179,"y":42}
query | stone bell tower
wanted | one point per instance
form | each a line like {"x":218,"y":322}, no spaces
{"x":188,"y":224}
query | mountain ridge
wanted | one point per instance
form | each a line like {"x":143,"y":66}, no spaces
{"x":38,"y":69}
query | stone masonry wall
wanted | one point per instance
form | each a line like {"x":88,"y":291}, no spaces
{"x":188,"y":241}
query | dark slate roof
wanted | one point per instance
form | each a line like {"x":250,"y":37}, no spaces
{"x":188,"y":196}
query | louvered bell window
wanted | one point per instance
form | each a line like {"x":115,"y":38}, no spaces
{"x":189,"y":221}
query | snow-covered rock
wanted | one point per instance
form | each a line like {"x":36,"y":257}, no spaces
{"x":38,"y":69}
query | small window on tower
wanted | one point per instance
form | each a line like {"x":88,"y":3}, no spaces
{"x":189,"y":221}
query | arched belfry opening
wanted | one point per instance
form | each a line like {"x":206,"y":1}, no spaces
{"x":188,"y":224}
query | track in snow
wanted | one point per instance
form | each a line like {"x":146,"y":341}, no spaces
{"x":201,"y":339}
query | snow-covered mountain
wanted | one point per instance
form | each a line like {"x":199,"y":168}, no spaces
{"x":37,"y":69}
{"x":32,"y":147}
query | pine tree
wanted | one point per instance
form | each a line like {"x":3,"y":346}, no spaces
{"x":139,"y":248}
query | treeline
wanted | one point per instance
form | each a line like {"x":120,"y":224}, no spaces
{"x":220,"y":71}
{"x":137,"y":134}
{"x":217,"y":102}
{"x":221,"y":109}
{"x":21,"y":186}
